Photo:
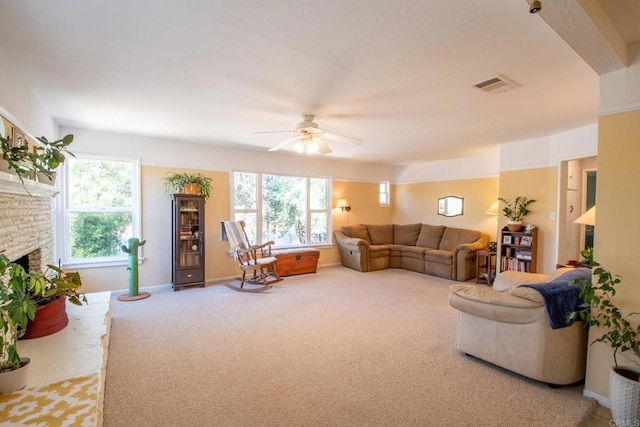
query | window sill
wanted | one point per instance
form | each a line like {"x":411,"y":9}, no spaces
{"x":97,"y":264}
{"x":318,"y":246}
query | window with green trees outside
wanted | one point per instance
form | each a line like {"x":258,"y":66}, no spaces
{"x":102,"y":207}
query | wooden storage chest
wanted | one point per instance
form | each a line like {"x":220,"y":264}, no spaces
{"x":297,"y":261}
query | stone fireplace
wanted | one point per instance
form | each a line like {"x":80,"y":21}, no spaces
{"x":27,"y":214}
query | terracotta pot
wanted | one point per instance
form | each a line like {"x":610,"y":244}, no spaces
{"x":514,"y":225}
{"x":50,"y":318}
{"x":15,"y":380}
{"x":192,"y":188}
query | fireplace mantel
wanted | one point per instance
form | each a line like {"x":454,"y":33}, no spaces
{"x":11,"y":184}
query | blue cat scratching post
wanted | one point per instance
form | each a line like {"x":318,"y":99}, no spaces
{"x":132,"y":250}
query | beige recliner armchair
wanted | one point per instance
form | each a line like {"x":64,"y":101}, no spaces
{"x":510,"y":327}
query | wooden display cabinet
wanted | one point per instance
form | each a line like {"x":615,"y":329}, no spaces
{"x":518,"y":250}
{"x":187,"y":241}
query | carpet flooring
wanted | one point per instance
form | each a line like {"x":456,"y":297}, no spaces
{"x":336,"y":348}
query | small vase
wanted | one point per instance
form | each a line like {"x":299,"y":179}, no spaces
{"x":15,"y":380}
{"x":45,"y":179}
{"x":514,"y":225}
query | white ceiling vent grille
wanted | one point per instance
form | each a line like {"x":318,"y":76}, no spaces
{"x":497,"y":84}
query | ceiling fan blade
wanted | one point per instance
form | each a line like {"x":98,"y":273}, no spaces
{"x":342,"y":138}
{"x":284,"y":143}
{"x":277,"y":131}
{"x":323,"y":148}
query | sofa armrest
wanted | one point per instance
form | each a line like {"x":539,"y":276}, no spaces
{"x":464,"y":258}
{"x":493,"y":305}
{"x":354,"y":242}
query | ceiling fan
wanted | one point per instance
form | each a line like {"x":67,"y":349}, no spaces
{"x":309,"y":138}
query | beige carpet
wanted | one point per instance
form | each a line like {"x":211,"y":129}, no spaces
{"x":336,"y":348}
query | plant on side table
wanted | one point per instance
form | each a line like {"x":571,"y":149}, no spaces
{"x":598,"y":309}
{"x":16,"y":309}
{"x":175,"y":182}
{"x":515,"y":211}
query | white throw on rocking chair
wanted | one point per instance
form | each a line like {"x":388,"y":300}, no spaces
{"x":256,"y":258}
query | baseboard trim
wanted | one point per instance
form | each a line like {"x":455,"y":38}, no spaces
{"x":604,"y":401}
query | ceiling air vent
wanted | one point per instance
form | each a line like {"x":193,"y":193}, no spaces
{"x":497,"y":84}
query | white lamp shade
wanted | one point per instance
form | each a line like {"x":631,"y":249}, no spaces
{"x":342,"y":203}
{"x":587,"y":218}
{"x":493,"y":209}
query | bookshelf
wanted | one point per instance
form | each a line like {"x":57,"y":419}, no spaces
{"x":518,"y":250}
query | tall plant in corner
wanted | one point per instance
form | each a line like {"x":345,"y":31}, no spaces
{"x":598,"y":309}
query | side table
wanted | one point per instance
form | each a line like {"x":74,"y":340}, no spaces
{"x":485,"y":266}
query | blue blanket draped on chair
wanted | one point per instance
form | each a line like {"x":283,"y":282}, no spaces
{"x":561,"y":298}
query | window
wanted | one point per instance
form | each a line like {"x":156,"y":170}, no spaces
{"x":101,"y":209}
{"x":290,"y":210}
{"x":385,"y":199}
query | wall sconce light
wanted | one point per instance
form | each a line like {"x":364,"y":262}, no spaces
{"x":343,"y":204}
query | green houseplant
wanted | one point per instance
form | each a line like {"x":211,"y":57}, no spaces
{"x":16,"y":308}
{"x":49,"y":155}
{"x":598,"y":309}
{"x":515,"y":211}
{"x":175,"y":182}
{"x":51,"y":315}
{"x":17,"y":158}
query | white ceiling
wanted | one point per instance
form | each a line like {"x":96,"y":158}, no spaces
{"x":399,"y":75}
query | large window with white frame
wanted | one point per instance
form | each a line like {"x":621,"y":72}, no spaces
{"x":289,"y":210}
{"x":100,"y":210}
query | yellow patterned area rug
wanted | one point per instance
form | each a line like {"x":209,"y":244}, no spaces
{"x":71,"y":402}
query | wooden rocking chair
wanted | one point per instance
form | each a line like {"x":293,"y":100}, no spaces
{"x":255,"y":258}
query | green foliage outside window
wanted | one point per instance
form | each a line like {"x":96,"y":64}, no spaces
{"x":97,"y":235}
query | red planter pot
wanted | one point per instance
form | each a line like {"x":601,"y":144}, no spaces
{"x":49,"y":319}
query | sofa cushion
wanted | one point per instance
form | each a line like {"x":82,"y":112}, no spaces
{"x":357,"y":231}
{"x":406,"y":234}
{"x":453,"y":237}
{"x":430,"y":236}
{"x":380,"y":234}
{"x":377,"y":251}
{"x":413,"y":252}
{"x":436,"y":255}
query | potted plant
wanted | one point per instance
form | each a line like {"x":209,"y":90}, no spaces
{"x":598,"y":309}
{"x":49,"y":155}
{"x":17,"y":158}
{"x":51,"y":314}
{"x":16,"y":309}
{"x":516,"y":211}
{"x":175,"y":182}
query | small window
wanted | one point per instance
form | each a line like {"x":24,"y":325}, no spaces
{"x":385,"y":198}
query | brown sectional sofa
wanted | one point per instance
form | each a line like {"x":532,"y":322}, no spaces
{"x":431,"y":249}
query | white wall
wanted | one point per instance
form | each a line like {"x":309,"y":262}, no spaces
{"x":19,"y":104}
{"x":484,"y":166}
{"x":167,"y":153}
{"x":549,"y":150}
